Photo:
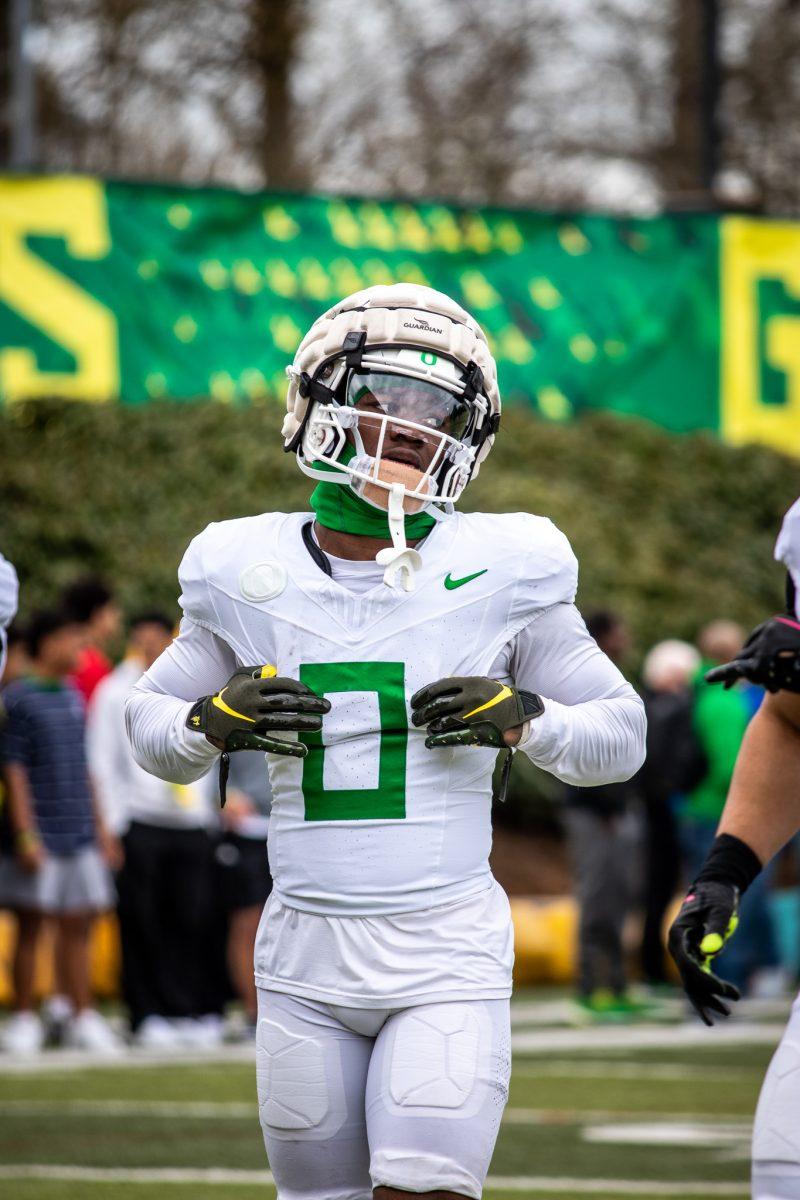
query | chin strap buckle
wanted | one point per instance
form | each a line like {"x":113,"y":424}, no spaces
{"x":400,"y":560}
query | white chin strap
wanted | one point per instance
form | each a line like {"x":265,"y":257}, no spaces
{"x":400,"y":560}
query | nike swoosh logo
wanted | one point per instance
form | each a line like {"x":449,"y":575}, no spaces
{"x":218,"y":702}
{"x":451,"y":583}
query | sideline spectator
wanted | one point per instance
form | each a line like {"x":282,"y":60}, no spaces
{"x":17,"y":663}
{"x":674,"y":764}
{"x":92,"y":605}
{"x":721,"y":716}
{"x":166,"y":882}
{"x":9,"y":595}
{"x":244,"y":869}
{"x":603,"y":840}
{"x":52,"y":831}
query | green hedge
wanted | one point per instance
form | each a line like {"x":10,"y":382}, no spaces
{"x":670,"y":530}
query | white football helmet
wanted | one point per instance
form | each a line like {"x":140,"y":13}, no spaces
{"x":393,"y":392}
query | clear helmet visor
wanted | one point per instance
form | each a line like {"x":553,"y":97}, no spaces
{"x":430,"y":408}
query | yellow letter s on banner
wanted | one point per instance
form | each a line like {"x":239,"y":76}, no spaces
{"x":75,"y":210}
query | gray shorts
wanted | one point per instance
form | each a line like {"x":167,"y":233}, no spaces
{"x":79,"y":883}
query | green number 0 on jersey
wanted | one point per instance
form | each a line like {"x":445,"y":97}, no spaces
{"x":387,"y":801}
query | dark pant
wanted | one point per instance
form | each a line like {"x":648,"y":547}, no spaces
{"x":661,"y":881}
{"x":603,"y":851}
{"x":166,"y":907}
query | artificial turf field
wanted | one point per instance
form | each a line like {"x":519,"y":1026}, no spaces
{"x":660,"y":1108}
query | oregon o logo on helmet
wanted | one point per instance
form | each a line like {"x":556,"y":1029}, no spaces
{"x":430,"y":360}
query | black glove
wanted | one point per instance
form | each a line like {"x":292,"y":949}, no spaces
{"x":708,"y":917}
{"x":769,"y":657}
{"x":471,"y":710}
{"x":254,"y":701}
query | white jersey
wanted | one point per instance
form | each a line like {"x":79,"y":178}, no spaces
{"x":787,"y":550}
{"x":371,"y":821}
{"x":379,"y":848}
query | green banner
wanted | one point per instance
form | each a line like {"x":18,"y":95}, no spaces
{"x":115,"y":291}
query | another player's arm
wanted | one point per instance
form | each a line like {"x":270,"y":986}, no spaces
{"x":763,"y":805}
{"x":761,"y":814}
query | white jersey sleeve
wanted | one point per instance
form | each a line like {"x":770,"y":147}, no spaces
{"x":593,"y":727}
{"x":787,"y":550}
{"x":198,"y":663}
{"x":9,"y":595}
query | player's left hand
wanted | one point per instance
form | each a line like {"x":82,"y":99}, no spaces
{"x":770,"y":657}
{"x":708,"y":917}
{"x":471,"y":710}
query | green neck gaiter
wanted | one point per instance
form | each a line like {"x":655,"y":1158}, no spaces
{"x":337,"y":507}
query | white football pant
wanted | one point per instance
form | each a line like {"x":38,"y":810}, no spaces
{"x":351,"y":1099}
{"x":776,"y":1134}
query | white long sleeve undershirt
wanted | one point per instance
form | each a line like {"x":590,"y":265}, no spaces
{"x":592,"y":730}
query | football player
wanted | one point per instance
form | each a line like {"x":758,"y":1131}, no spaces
{"x":381,"y":649}
{"x":761,"y":814}
{"x":9,"y":594}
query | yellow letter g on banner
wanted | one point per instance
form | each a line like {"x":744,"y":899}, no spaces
{"x":760,"y":331}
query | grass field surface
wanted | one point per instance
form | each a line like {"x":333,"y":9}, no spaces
{"x":660,"y":1108}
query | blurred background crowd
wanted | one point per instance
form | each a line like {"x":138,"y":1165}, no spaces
{"x":85,"y":832}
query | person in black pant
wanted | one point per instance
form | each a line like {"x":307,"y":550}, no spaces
{"x":166,"y":883}
{"x":675,"y":763}
{"x":245,"y":881}
{"x":166,"y":906}
{"x":603,"y":832}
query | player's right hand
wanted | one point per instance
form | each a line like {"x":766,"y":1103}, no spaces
{"x":254,"y":702}
{"x":708,"y":917}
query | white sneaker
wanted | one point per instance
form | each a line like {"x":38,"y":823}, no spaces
{"x":22,"y":1034}
{"x":769,"y":983}
{"x":90,"y":1031}
{"x":157,"y":1033}
{"x":201,"y":1033}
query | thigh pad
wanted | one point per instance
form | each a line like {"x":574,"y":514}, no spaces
{"x":292,"y":1078}
{"x":434,"y":1058}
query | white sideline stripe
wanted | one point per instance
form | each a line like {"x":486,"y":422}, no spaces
{"x":196,"y":1109}
{"x":237,"y":1110}
{"x":500,"y":1183}
{"x":588,"y":1116}
{"x":80,"y":1060}
{"x":568,"y":1068}
{"x":615,"y":1187}
{"x":640,"y":1037}
{"x":596,"y":1039}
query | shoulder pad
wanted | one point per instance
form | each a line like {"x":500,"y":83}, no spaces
{"x":787,"y":551}
{"x":537,"y":557}
{"x":787,"y":547}
{"x":9,"y":589}
{"x":214,"y":560}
